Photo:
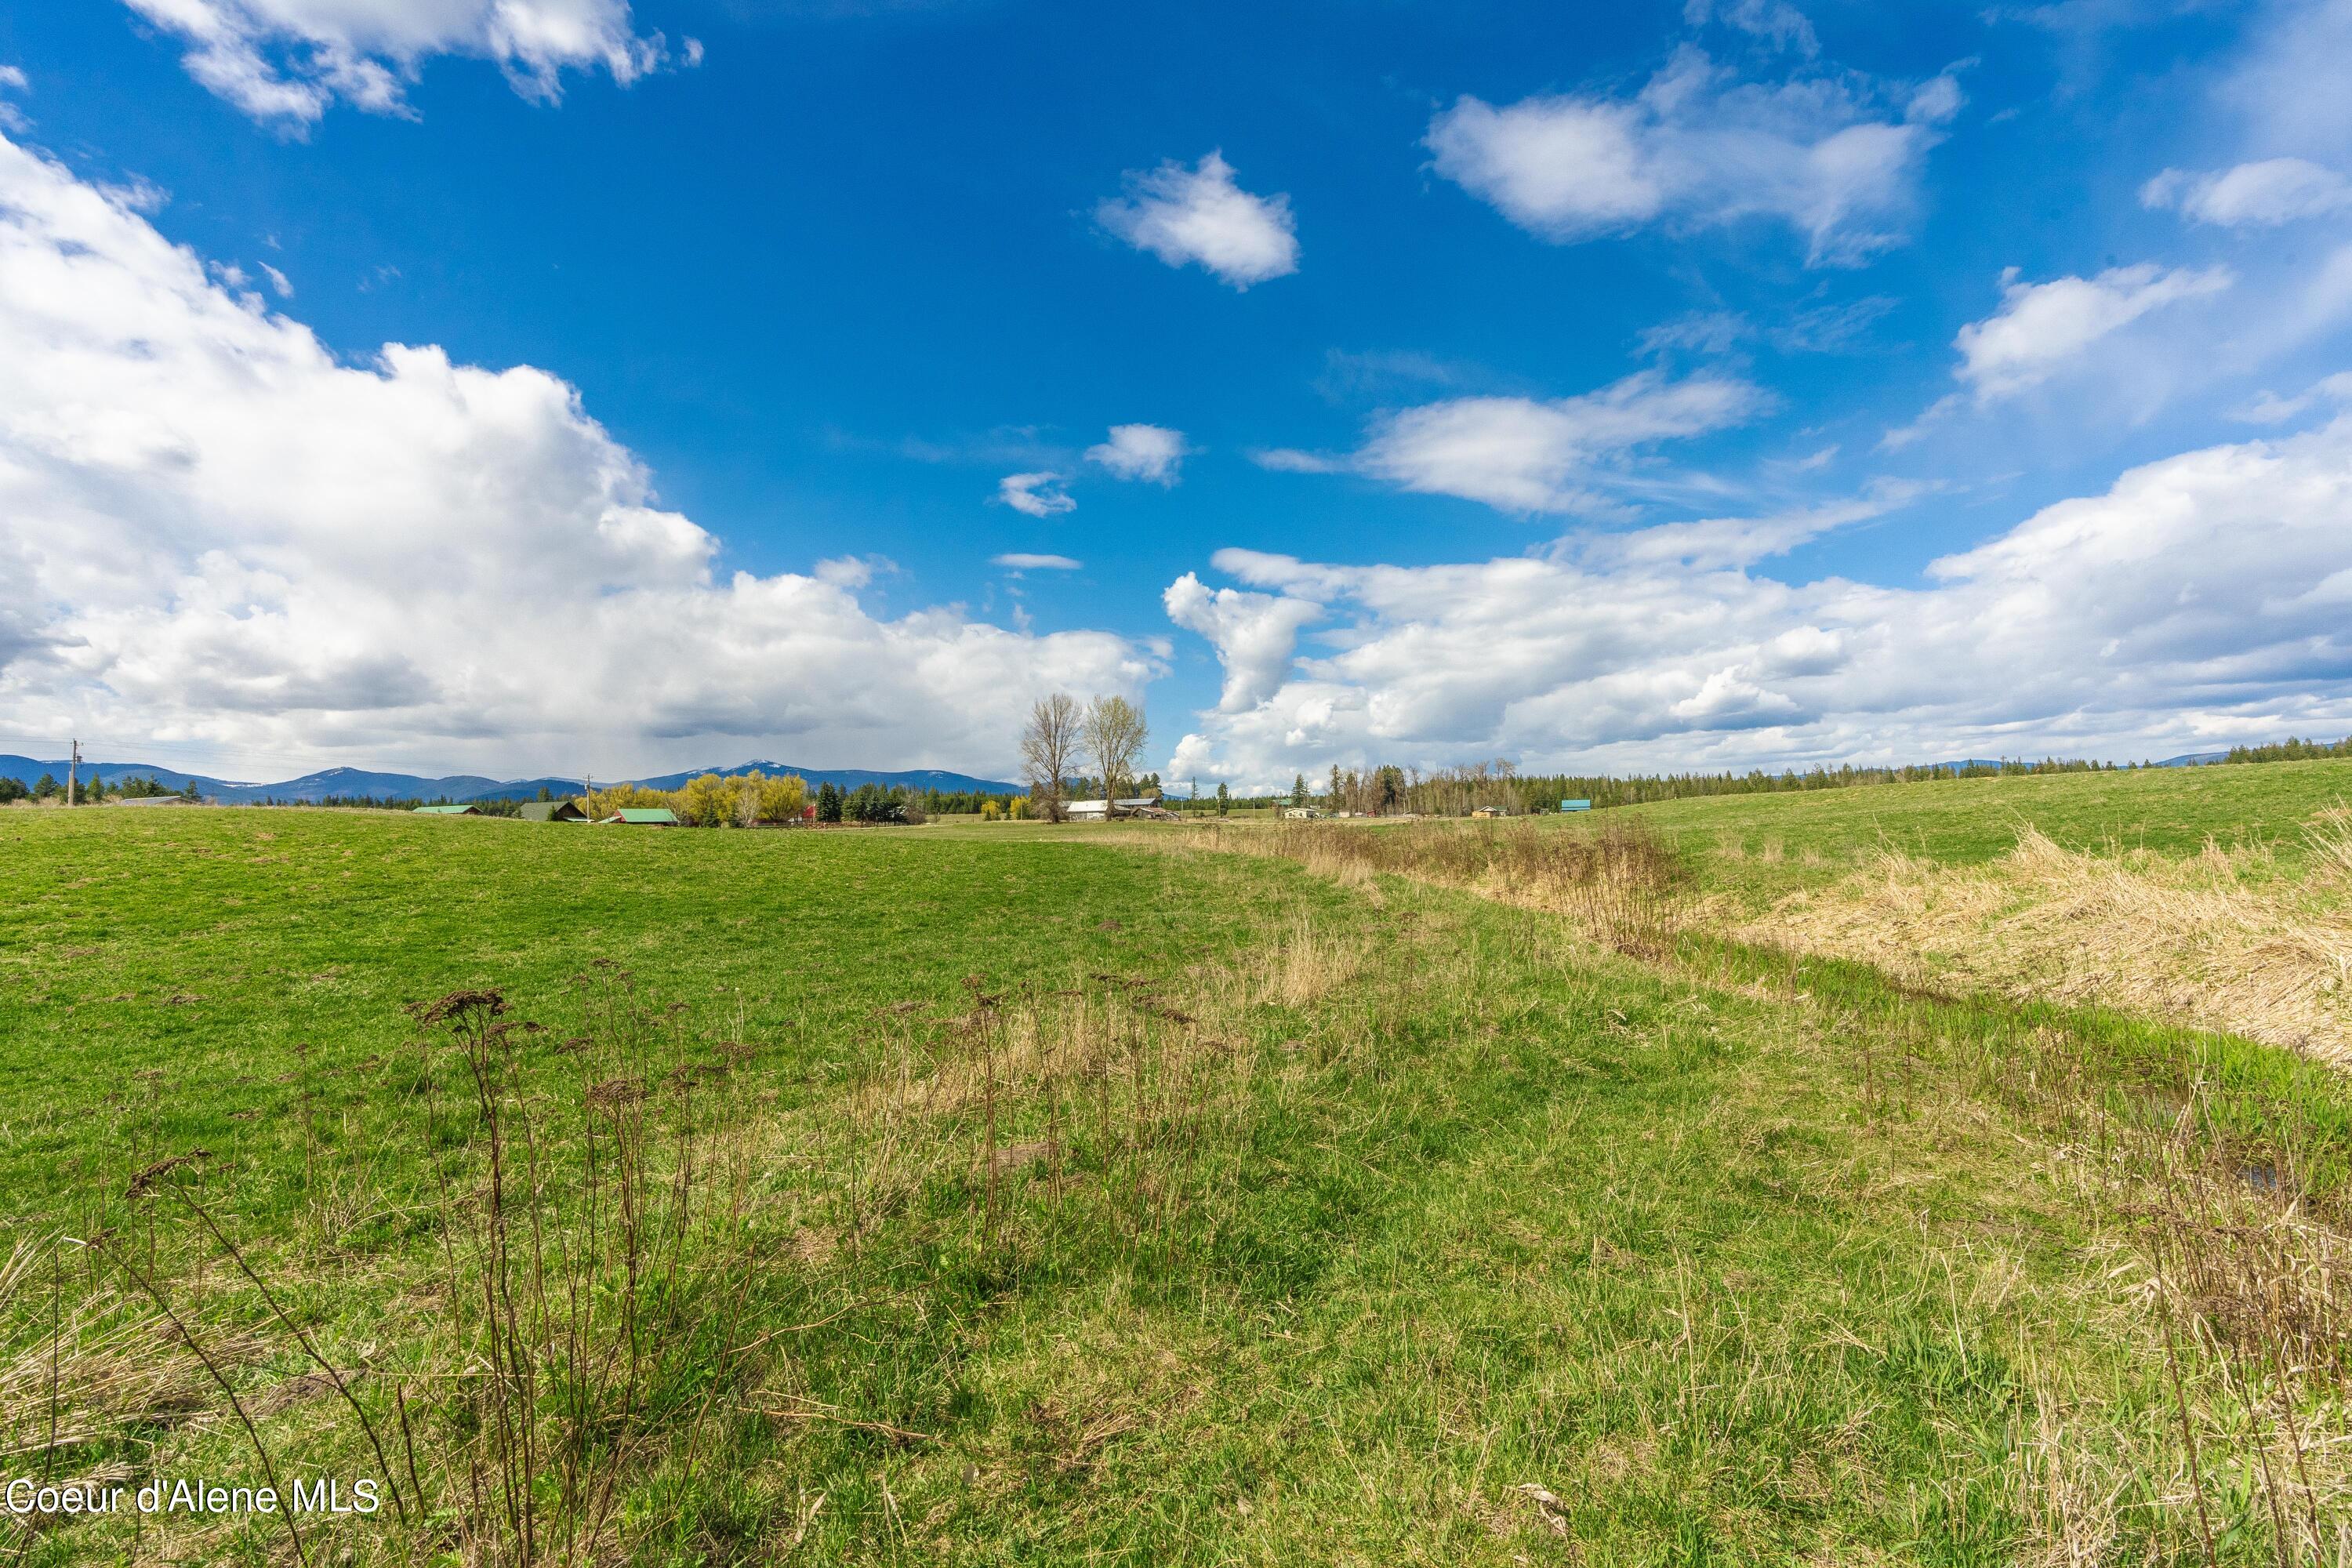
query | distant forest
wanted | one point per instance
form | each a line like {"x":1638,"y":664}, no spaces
{"x":1499,"y":785}
{"x":2291,"y":751}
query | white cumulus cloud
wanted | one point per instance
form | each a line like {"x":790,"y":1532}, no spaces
{"x":1035,"y":495}
{"x":1695,"y":148}
{"x":2041,"y":327}
{"x":2200,"y":596}
{"x":1148,"y":452}
{"x":2268,"y":193}
{"x":291,"y":60}
{"x":1254,"y":633}
{"x":222,"y":535}
{"x":1022,"y":561}
{"x":1524,"y":455}
{"x":1200,"y":216}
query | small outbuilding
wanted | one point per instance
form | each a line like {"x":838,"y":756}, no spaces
{"x":448,"y":811}
{"x":552,"y":811}
{"x":643,"y":816}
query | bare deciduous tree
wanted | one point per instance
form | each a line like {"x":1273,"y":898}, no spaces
{"x":1114,"y":735}
{"x":1048,"y":746}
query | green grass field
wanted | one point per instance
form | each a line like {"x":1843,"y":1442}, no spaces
{"x":1007,"y":1195}
{"x":2170,"y":810}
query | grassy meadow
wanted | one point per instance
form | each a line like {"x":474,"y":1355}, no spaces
{"x":1278,"y":1194}
{"x":2217,"y":896}
{"x":1762,"y":846}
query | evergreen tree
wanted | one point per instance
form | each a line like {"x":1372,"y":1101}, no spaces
{"x":828,"y":803}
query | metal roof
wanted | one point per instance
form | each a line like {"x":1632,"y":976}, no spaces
{"x":448,"y":811}
{"x":646,"y":816}
{"x":552,"y":811}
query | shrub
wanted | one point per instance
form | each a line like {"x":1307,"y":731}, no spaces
{"x":780,"y":800}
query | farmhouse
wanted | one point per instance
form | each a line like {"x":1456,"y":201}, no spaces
{"x":448,"y":811}
{"x":642,"y":816}
{"x":551,"y":811}
{"x":1095,"y":810}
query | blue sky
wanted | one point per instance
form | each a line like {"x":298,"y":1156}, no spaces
{"x":1613,"y":387}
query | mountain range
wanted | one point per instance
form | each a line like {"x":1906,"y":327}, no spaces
{"x":357,"y":784}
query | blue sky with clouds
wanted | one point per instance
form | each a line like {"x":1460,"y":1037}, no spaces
{"x":570,"y":383}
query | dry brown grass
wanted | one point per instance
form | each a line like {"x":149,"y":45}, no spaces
{"x":2331,"y":842}
{"x":1617,"y":879}
{"x":107,"y":1368}
{"x":2213,"y":940}
{"x":1303,"y":966}
{"x":2252,"y":1299}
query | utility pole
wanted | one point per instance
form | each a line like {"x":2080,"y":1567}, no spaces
{"x":73,"y":774}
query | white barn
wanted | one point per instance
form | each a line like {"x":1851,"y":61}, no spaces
{"x":1096,"y":810}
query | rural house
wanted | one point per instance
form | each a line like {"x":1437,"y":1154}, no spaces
{"x":643,"y":816}
{"x":551,"y":811}
{"x":1096,"y":810}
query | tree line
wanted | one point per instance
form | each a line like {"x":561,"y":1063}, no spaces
{"x":755,"y":800}
{"x":2291,"y":751}
{"x":1498,"y":785}
{"x":93,"y":791}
